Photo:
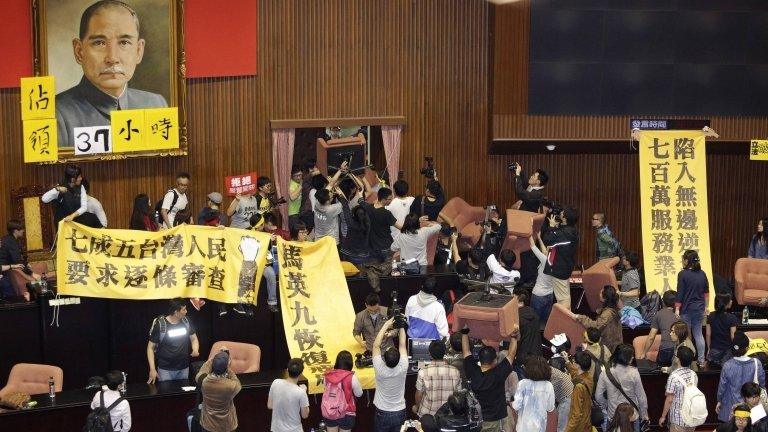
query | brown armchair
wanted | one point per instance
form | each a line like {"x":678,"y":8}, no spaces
{"x":33,"y":379}
{"x":519,"y":229}
{"x":245,"y":357}
{"x":560,"y":321}
{"x":462,"y":216}
{"x":595,"y":278}
{"x":639,"y":343}
{"x":751,"y":281}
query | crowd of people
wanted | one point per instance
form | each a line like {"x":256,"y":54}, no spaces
{"x":467,"y":385}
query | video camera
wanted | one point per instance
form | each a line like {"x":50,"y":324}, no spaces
{"x":554,"y":207}
{"x":396,"y":312}
{"x":429,"y":169}
{"x":363,"y":360}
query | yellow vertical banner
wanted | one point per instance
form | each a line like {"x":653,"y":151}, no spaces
{"x":128,"y":130}
{"x":40,"y":140}
{"x":221,"y":264}
{"x":162,"y":128}
{"x":758,"y":150}
{"x":673,"y":196}
{"x":38,"y":98}
{"x":318,"y":316}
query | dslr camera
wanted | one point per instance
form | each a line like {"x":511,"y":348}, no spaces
{"x":554,"y":207}
{"x":428,"y":170}
{"x":363,"y":360}
{"x":396,"y":312}
{"x":512,"y":167}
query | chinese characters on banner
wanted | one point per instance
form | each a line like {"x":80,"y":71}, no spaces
{"x":145,"y":129}
{"x":221,"y":264}
{"x":673,"y":195}
{"x":758,"y":150}
{"x":240,"y":184}
{"x":317,"y":311}
{"x":38,"y":114}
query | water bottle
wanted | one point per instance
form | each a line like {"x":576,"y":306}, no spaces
{"x":123,"y":385}
{"x":43,"y":283}
{"x":745,"y":315}
{"x":51,"y":388}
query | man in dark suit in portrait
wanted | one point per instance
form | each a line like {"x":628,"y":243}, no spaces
{"x":108,"y":49}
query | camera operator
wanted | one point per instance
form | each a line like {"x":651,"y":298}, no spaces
{"x":369,"y":321}
{"x":562,"y":239}
{"x":501,"y":269}
{"x":530,"y":194}
{"x":390,"y":370}
{"x":426,"y":315}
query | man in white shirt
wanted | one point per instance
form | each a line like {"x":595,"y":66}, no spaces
{"x":501,"y":269}
{"x":175,"y":200}
{"x":288,"y":400}
{"x":390,"y":370}
{"x":120,"y":414}
{"x":400,"y":205}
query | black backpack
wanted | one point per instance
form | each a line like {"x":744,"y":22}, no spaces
{"x":163,"y":327}
{"x":99,"y":420}
{"x":159,"y":205}
{"x":650,"y":305}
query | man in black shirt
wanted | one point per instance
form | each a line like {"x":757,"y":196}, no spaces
{"x":380,"y":237}
{"x":530,"y":334}
{"x":431,"y":203}
{"x":487,"y":380}
{"x":12,"y":257}
{"x":562,"y":240}
{"x":530,"y":193}
{"x":169,"y":343}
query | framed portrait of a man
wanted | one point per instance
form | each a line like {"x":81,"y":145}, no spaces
{"x":108,"y":55}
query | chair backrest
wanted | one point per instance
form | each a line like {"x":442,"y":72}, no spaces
{"x":596,"y":277}
{"x":464,"y":217}
{"x":245,"y":357}
{"x":757,"y":334}
{"x":32,"y":378}
{"x":519,"y":229}
{"x":560,"y":322}
{"x":639,"y":343}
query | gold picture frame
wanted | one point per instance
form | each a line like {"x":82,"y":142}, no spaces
{"x":176,"y":60}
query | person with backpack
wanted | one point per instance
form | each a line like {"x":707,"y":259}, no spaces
{"x":219,"y":388}
{"x":685,"y":403}
{"x":622,"y":383}
{"x":173,"y":201}
{"x":170,"y":339}
{"x":737,"y":371}
{"x":111,"y":412}
{"x":341,"y":388}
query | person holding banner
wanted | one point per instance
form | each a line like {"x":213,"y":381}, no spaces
{"x":174,"y":200}
{"x":70,"y":199}
{"x":692,"y":299}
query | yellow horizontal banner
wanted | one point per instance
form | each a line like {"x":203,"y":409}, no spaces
{"x":221,"y":264}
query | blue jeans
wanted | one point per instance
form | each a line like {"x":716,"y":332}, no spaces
{"x":170,"y":375}
{"x":271,"y":278}
{"x":388,"y":421}
{"x":563,"y":410}
{"x":694,"y":321}
{"x":542,"y":305}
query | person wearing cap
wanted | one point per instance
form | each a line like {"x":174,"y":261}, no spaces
{"x":736,"y":372}
{"x":219,"y":387}
{"x":211,"y":214}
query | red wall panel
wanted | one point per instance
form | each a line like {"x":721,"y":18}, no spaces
{"x":15,"y":42}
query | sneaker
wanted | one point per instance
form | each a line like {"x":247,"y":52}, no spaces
{"x":273,"y":308}
{"x":239,"y":308}
{"x":222,"y":310}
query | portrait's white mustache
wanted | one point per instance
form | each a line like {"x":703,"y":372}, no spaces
{"x":113,"y":70}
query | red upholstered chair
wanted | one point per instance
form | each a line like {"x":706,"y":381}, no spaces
{"x":751,"y":280}
{"x":639,"y":343}
{"x":561,"y":322}
{"x":519,"y":229}
{"x":32,"y":379}
{"x":464,"y":217}
{"x":245,"y":357}
{"x":19,"y":279}
{"x":757,"y":334}
{"x":491,"y":322}
{"x":596,"y":277}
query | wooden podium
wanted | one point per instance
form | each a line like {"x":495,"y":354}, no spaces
{"x":331,"y":153}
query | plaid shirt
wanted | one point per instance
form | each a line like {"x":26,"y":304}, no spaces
{"x":675,"y":386}
{"x":436,"y":381}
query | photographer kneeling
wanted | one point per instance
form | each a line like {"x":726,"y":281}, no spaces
{"x":562,"y":239}
{"x":390,"y":369}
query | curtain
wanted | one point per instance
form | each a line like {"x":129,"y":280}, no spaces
{"x":391,"y":137}
{"x":282,"y":159}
